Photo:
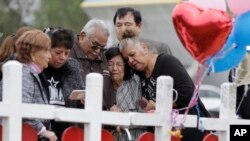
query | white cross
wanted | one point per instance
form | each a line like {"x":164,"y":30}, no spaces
{"x":161,"y":117}
{"x":12,"y":109}
{"x":227,"y":115}
{"x":92,"y":115}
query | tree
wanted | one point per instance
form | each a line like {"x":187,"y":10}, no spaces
{"x":64,"y":13}
{"x":10,"y":21}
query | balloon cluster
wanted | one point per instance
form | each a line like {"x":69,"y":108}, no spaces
{"x":207,"y":32}
{"x":215,"y":39}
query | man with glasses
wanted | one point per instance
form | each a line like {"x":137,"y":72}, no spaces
{"x":88,"y":50}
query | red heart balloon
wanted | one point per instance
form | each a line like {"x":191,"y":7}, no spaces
{"x":201,"y":31}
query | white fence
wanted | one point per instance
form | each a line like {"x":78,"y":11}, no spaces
{"x":12,"y":110}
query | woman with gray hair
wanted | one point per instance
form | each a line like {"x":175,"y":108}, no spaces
{"x":149,"y":67}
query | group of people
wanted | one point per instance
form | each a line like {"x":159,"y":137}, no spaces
{"x":54,"y":59}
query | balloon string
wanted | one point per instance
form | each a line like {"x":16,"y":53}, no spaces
{"x":219,"y":56}
{"x":174,"y":115}
{"x":199,"y":121}
{"x":199,"y":79}
{"x":244,"y":95}
{"x":233,"y":75}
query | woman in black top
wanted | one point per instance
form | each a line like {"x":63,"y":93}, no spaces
{"x":62,"y":74}
{"x":150,"y":66}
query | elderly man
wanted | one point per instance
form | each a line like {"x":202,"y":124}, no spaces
{"x":88,"y":50}
{"x":128,"y":23}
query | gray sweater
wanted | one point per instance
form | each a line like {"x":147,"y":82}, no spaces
{"x":32,"y":92}
{"x":70,"y":80}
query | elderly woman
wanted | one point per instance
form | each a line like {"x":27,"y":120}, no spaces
{"x":33,"y":51}
{"x":127,"y":89}
{"x":150,"y":66}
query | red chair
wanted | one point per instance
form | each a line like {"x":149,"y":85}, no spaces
{"x":73,"y":134}
{"x":28,"y":133}
{"x":107,"y":136}
{"x":1,"y":132}
{"x":148,"y":136}
{"x":173,"y":138}
{"x":77,"y":134}
{"x":210,"y":137}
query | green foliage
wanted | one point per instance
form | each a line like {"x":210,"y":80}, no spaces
{"x":64,"y":13}
{"x":10,"y":20}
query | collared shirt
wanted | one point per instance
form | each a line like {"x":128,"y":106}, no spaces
{"x":98,"y":65}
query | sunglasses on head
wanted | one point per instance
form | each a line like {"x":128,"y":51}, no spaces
{"x":52,"y":30}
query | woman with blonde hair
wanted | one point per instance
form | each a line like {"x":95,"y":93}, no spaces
{"x":33,"y":51}
{"x":7,"y":49}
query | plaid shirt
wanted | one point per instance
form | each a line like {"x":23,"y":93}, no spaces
{"x":128,"y":94}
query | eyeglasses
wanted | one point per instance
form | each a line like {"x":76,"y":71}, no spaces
{"x":96,"y":47}
{"x":117,"y":64}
